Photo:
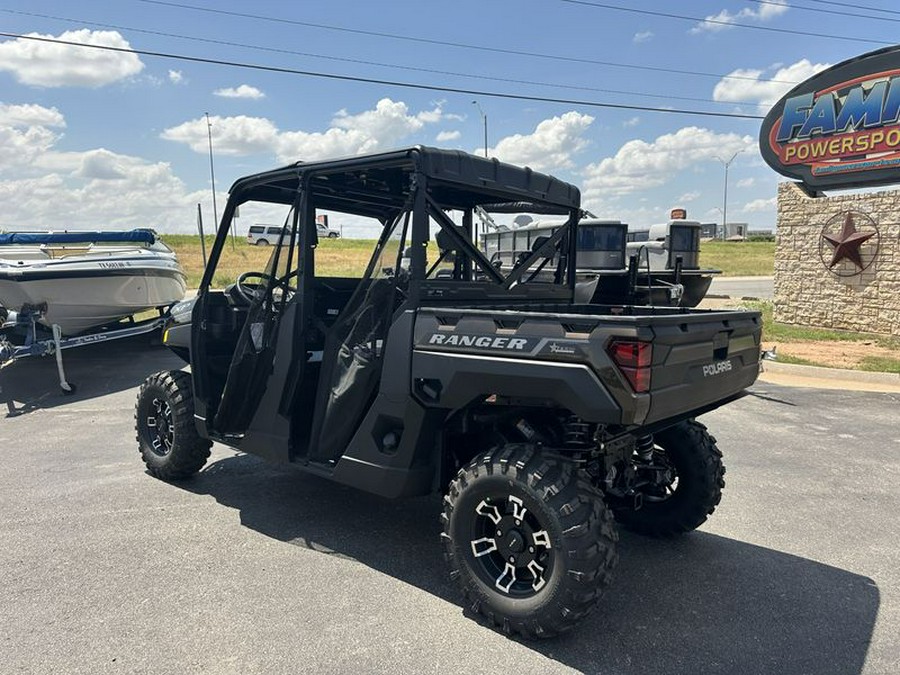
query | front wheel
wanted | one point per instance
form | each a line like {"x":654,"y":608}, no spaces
{"x":164,"y":421}
{"x":529,"y":540}
{"x":684,"y":477}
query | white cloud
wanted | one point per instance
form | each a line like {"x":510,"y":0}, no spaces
{"x":746,"y":182}
{"x":642,"y":36}
{"x":47,"y":64}
{"x":758,"y":205}
{"x":765,"y":12}
{"x":30,"y":114}
{"x":97,"y":187}
{"x":242,"y":91}
{"x":768,"y":90}
{"x":445,"y":136}
{"x":550,"y":147}
{"x":639,"y":165}
{"x":176,"y":77}
{"x":631,"y":122}
{"x":21,"y":147}
{"x":688,"y":197}
{"x":349,"y":134}
{"x":240,"y":135}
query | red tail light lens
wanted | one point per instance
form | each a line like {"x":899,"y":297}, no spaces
{"x":633,"y":359}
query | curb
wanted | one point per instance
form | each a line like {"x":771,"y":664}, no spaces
{"x":831,"y":373}
{"x":834,"y":377}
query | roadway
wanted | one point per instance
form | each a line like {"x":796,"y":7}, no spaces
{"x":760,"y":288}
{"x":252,"y":568}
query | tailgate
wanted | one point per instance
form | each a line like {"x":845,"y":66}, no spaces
{"x":699,"y":359}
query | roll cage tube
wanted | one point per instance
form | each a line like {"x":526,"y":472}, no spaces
{"x":549,"y":245}
{"x":448,"y":226}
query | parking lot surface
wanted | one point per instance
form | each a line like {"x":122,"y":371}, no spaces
{"x":258,"y":568}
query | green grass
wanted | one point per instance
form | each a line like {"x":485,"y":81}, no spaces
{"x":340,"y":256}
{"x":796,"y":360}
{"x":880,"y":364}
{"x":739,"y":258}
{"x":334,"y":257}
{"x":782,"y":332}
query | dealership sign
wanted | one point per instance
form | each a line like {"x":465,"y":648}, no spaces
{"x":840,"y":128}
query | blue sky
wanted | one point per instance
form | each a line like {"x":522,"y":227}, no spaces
{"x":94,"y":138}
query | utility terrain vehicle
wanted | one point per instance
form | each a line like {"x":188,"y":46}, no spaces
{"x":429,"y":369}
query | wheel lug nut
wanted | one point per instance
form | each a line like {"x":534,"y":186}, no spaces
{"x":518,"y":522}
{"x":531,"y":549}
{"x":512,"y":559}
{"x":499,"y":533}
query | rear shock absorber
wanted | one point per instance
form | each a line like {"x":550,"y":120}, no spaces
{"x":643,"y":447}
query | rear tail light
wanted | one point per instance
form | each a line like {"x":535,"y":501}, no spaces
{"x":633,"y":359}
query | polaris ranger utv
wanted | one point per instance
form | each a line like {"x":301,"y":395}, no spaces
{"x":541,"y":420}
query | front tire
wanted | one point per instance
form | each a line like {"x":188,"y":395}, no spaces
{"x":689,"y":489}
{"x":529,"y":540}
{"x":164,"y":421}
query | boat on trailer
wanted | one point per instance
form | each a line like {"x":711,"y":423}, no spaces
{"x":85,"y":280}
{"x":60,"y":290}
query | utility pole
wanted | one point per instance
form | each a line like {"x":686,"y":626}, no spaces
{"x":725,"y":191}
{"x":484,"y":119}
{"x":212,"y":178}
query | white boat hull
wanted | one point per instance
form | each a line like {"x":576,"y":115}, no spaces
{"x":87,"y":292}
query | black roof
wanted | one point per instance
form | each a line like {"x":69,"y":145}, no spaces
{"x":379,"y":184}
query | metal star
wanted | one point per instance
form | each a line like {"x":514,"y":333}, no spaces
{"x":847,"y":243}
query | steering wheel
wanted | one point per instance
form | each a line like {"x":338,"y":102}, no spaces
{"x":246,"y":292}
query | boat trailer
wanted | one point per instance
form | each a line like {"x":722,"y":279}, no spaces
{"x":42,"y":341}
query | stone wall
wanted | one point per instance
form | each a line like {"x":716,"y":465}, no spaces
{"x":807,"y":292}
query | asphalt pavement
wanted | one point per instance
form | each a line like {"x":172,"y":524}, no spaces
{"x":760,"y":288}
{"x":253,"y":568}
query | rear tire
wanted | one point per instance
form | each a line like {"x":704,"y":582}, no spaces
{"x":695,"y":488}
{"x":529,"y":540}
{"x":164,"y":421}
{"x":262,"y":242}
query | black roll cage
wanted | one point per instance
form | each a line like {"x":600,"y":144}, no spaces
{"x":430,"y":181}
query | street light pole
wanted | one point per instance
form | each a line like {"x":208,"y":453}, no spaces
{"x":725,"y":191}
{"x":484,"y":119}
{"x":212,"y":178}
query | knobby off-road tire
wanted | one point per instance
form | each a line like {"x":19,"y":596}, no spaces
{"x":697,"y":465}
{"x":164,"y":421}
{"x":529,"y":540}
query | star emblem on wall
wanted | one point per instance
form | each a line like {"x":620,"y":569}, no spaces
{"x":846,"y":234}
{"x":847,"y":242}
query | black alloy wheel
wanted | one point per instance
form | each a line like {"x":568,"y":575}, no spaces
{"x":164,"y":424}
{"x":529,"y":539}
{"x":683,"y":484}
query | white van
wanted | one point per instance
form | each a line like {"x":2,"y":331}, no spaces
{"x":266,"y":235}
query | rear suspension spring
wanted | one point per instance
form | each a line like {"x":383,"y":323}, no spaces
{"x":576,"y":433}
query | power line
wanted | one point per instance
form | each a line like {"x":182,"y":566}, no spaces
{"x":719,"y":22}
{"x":369,"y":62}
{"x":390,"y":83}
{"x":855,"y":6}
{"x":455,"y":45}
{"x":819,"y":10}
